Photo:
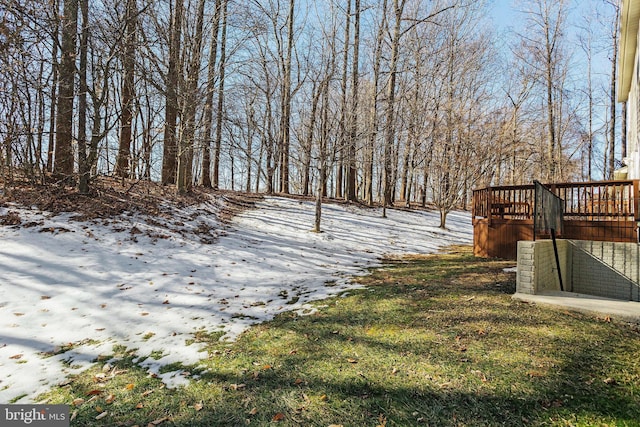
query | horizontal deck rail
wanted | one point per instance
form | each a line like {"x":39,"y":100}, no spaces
{"x":592,"y":201}
{"x":601,"y":211}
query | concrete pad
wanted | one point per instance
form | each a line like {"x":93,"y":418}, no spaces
{"x":618,"y":310}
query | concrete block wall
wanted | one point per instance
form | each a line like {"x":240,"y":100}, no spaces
{"x":606,"y":269}
{"x":537,"y":267}
{"x":526,"y":272}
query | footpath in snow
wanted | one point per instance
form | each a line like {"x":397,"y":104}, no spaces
{"x":71,"y":290}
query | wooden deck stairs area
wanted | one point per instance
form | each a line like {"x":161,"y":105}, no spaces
{"x":600,"y":211}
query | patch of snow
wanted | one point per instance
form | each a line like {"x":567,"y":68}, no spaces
{"x":70,"y":290}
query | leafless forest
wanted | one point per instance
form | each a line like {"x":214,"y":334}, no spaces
{"x":378,"y":101}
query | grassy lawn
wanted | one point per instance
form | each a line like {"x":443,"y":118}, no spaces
{"x":432,"y":340}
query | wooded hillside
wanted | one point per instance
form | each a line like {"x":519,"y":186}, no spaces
{"x":378,"y":101}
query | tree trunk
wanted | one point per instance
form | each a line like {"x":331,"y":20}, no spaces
{"x":322,"y":152}
{"x":208,"y":104}
{"x":551,"y":127}
{"x":83,"y":167}
{"x":64,"y":161}
{"x":391,"y":101}
{"x":443,"y":218}
{"x":352,"y":170}
{"x":54,"y":85}
{"x":187,"y":140}
{"x":170,"y":149}
{"x":315,"y":94}
{"x":219,"y":113}
{"x":612,"y":100}
{"x":374,"y":106}
{"x":286,"y":105}
{"x":128,"y":90}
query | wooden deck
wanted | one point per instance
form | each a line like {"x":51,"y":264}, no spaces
{"x":603,"y":211}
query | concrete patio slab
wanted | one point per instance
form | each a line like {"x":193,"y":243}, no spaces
{"x":618,"y":310}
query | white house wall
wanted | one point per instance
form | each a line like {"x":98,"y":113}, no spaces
{"x":633,"y":122}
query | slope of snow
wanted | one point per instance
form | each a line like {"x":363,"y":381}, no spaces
{"x":70,"y":290}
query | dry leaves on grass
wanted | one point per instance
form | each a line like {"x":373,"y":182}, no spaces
{"x":158,"y":421}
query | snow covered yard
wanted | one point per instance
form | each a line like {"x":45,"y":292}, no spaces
{"x":71,"y":290}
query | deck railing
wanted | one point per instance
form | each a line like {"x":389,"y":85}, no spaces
{"x":591,"y":201}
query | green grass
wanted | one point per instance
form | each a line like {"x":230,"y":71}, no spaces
{"x":430,"y":341}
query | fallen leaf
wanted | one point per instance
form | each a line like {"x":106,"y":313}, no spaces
{"x":74,"y":415}
{"x":77,"y":402}
{"x":16,"y":356}
{"x":324,"y":398}
{"x":139,"y":406}
{"x":298,"y":381}
{"x":165,"y":301}
{"x":610,"y":381}
{"x":351,"y":360}
{"x":198,"y":407}
{"x":158,"y":421}
{"x":109,"y":399}
{"x":266,"y":367}
{"x":130,"y":386}
{"x":253,"y":411}
{"x":94,"y":392}
{"x":102,"y":415}
{"x":147,"y":393}
{"x":43,"y":297}
{"x":65,"y":382}
{"x":480,"y":375}
{"x":144,"y":313}
{"x":278,"y":417}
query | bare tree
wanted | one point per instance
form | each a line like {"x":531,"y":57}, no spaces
{"x":128,"y":89}
{"x":170,"y":150}
{"x":219,"y":113}
{"x":352,"y":170}
{"x":612,"y":90}
{"x":83,"y":166}
{"x":184,"y":179}
{"x":210,"y":92}
{"x":64,"y":160}
{"x":543,"y":50}
{"x":285,"y":127}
